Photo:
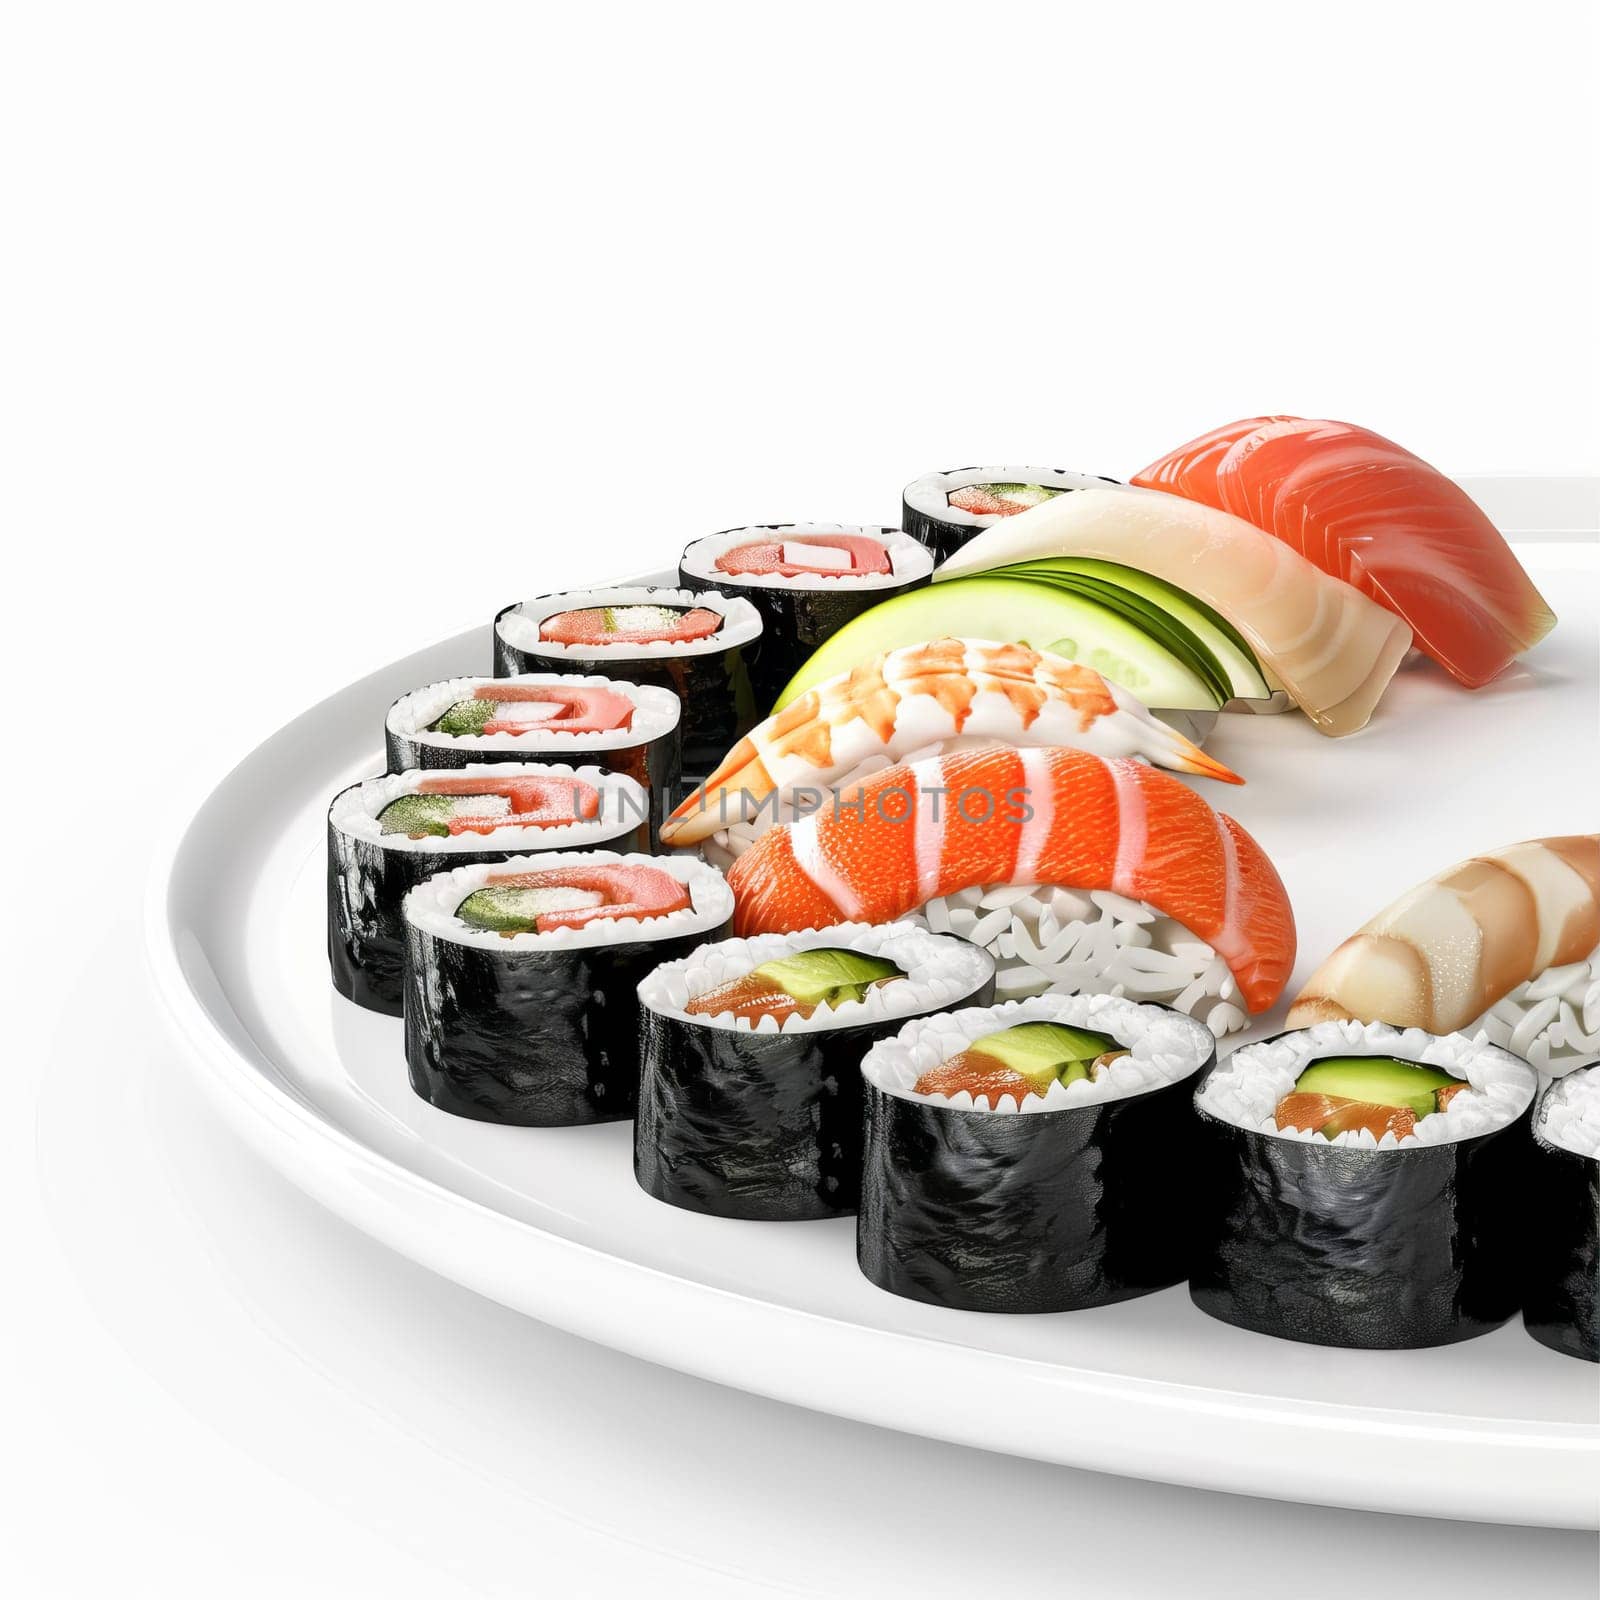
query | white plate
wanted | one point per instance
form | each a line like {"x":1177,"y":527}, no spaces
{"x":550,"y":1221}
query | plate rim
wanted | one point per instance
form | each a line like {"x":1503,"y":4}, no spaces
{"x":1540,"y":1474}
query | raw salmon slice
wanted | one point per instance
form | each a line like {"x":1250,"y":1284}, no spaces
{"x":1365,"y":510}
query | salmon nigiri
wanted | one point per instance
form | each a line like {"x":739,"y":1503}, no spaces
{"x":1367,"y":511}
{"x":1003,"y":817}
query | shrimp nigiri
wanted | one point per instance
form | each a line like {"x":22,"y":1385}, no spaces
{"x":1331,"y":648}
{"x":998,"y":816}
{"x":1379,"y":517}
{"x":1450,"y":949}
{"x":918,"y":701}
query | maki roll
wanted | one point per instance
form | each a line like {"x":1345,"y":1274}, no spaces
{"x":807,"y":579}
{"x":750,"y":1096}
{"x":1363,"y":1185}
{"x":387,"y":834}
{"x":697,"y":644}
{"x":629,"y":728}
{"x":521,"y":979}
{"x":1562,"y":1304}
{"x":946,"y":509}
{"x":1025,"y":1157}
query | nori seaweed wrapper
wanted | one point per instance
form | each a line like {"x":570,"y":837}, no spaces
{"x":718,"y":695}
{"x":1026,"y":1211}
{"x":366,"y":886}
{"x":941,"y":537}
{"x":654,"y":764}
{"x":537,"y":1038}
{"x":1371,"y":1249}
{"x":1562,"y":1284}
{"x":760,"y":1126}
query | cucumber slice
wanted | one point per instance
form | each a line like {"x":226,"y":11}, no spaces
{"x":418,"y":815}
{"x":1224,"y":642}
{"x":465,"y":719}
{"x":1144,"y":614}
{"x":1010,"y":610}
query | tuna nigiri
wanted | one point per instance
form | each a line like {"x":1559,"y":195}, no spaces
{"x":919,"y":701}
{"x":927,"y":830}
{"x":1377,"y":516}
{"x":1331,"y":647}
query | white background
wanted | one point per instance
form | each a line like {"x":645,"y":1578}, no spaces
{"x":329,"y":328}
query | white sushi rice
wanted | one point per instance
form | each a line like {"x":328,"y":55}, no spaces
{"x":624,"y":804}
{"x":1163,"y":1049}
{"x":909,"y":559}
{"x":656,"y":712}
{"x":1052,"y":940}
{"x":431,"y":906}
{"x":1569,"y":1113}
{"x":1553,"y":1020}
{"x":930,"y":494}
{"x":519,"y":626}
{"x":1246,"y":1088}
{"x":939,"y":973}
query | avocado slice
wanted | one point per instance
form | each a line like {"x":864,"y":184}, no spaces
{"x":1377,"y":1080}
{"x":1222,"y":641}
{"x":1010,"y":610}
{"x":464,"y":719}
{"x":1045,"y":1052}
{"x":418,"y":815}
{"x":827,"y":977}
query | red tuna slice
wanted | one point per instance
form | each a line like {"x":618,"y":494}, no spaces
{"x":535,"y":802}
{"x":765,"y":557}
{"x":580,"y":710}
{"x":1367,"y":511}
{"x":638,"y":892}
{"x":629,"y":624}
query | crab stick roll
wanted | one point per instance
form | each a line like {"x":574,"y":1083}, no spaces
{"x":1562,"y":1305}
{"x":697,"y":644}
{"x":521,"y":979}
{"x":807,"y":579}
{"x":943,"y":510}
{"x":624,"y":727}
{"x":387,"y":834}
{"x":1026,"y":1157}
{"x":750,"y":1094}
{"x":1363,"y":1185}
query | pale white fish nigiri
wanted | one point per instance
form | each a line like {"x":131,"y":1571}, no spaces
{"x":1450,"y":949}
{"x":919,"y":701}
{"x":1332,"y":648}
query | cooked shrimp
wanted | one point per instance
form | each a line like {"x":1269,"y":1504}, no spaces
{"x":915,"y":702}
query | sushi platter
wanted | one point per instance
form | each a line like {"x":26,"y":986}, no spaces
{"x":819,"y":967}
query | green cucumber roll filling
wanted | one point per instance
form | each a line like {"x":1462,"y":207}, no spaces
{"x":1000,"y":499}
{"x":630,"y":624}
{"x":1381,"y":1094}
{"x":1023,"y":1060}
{"x":444,"y":807}
{"x":570,"y":897}
{"x":798,"y":985}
